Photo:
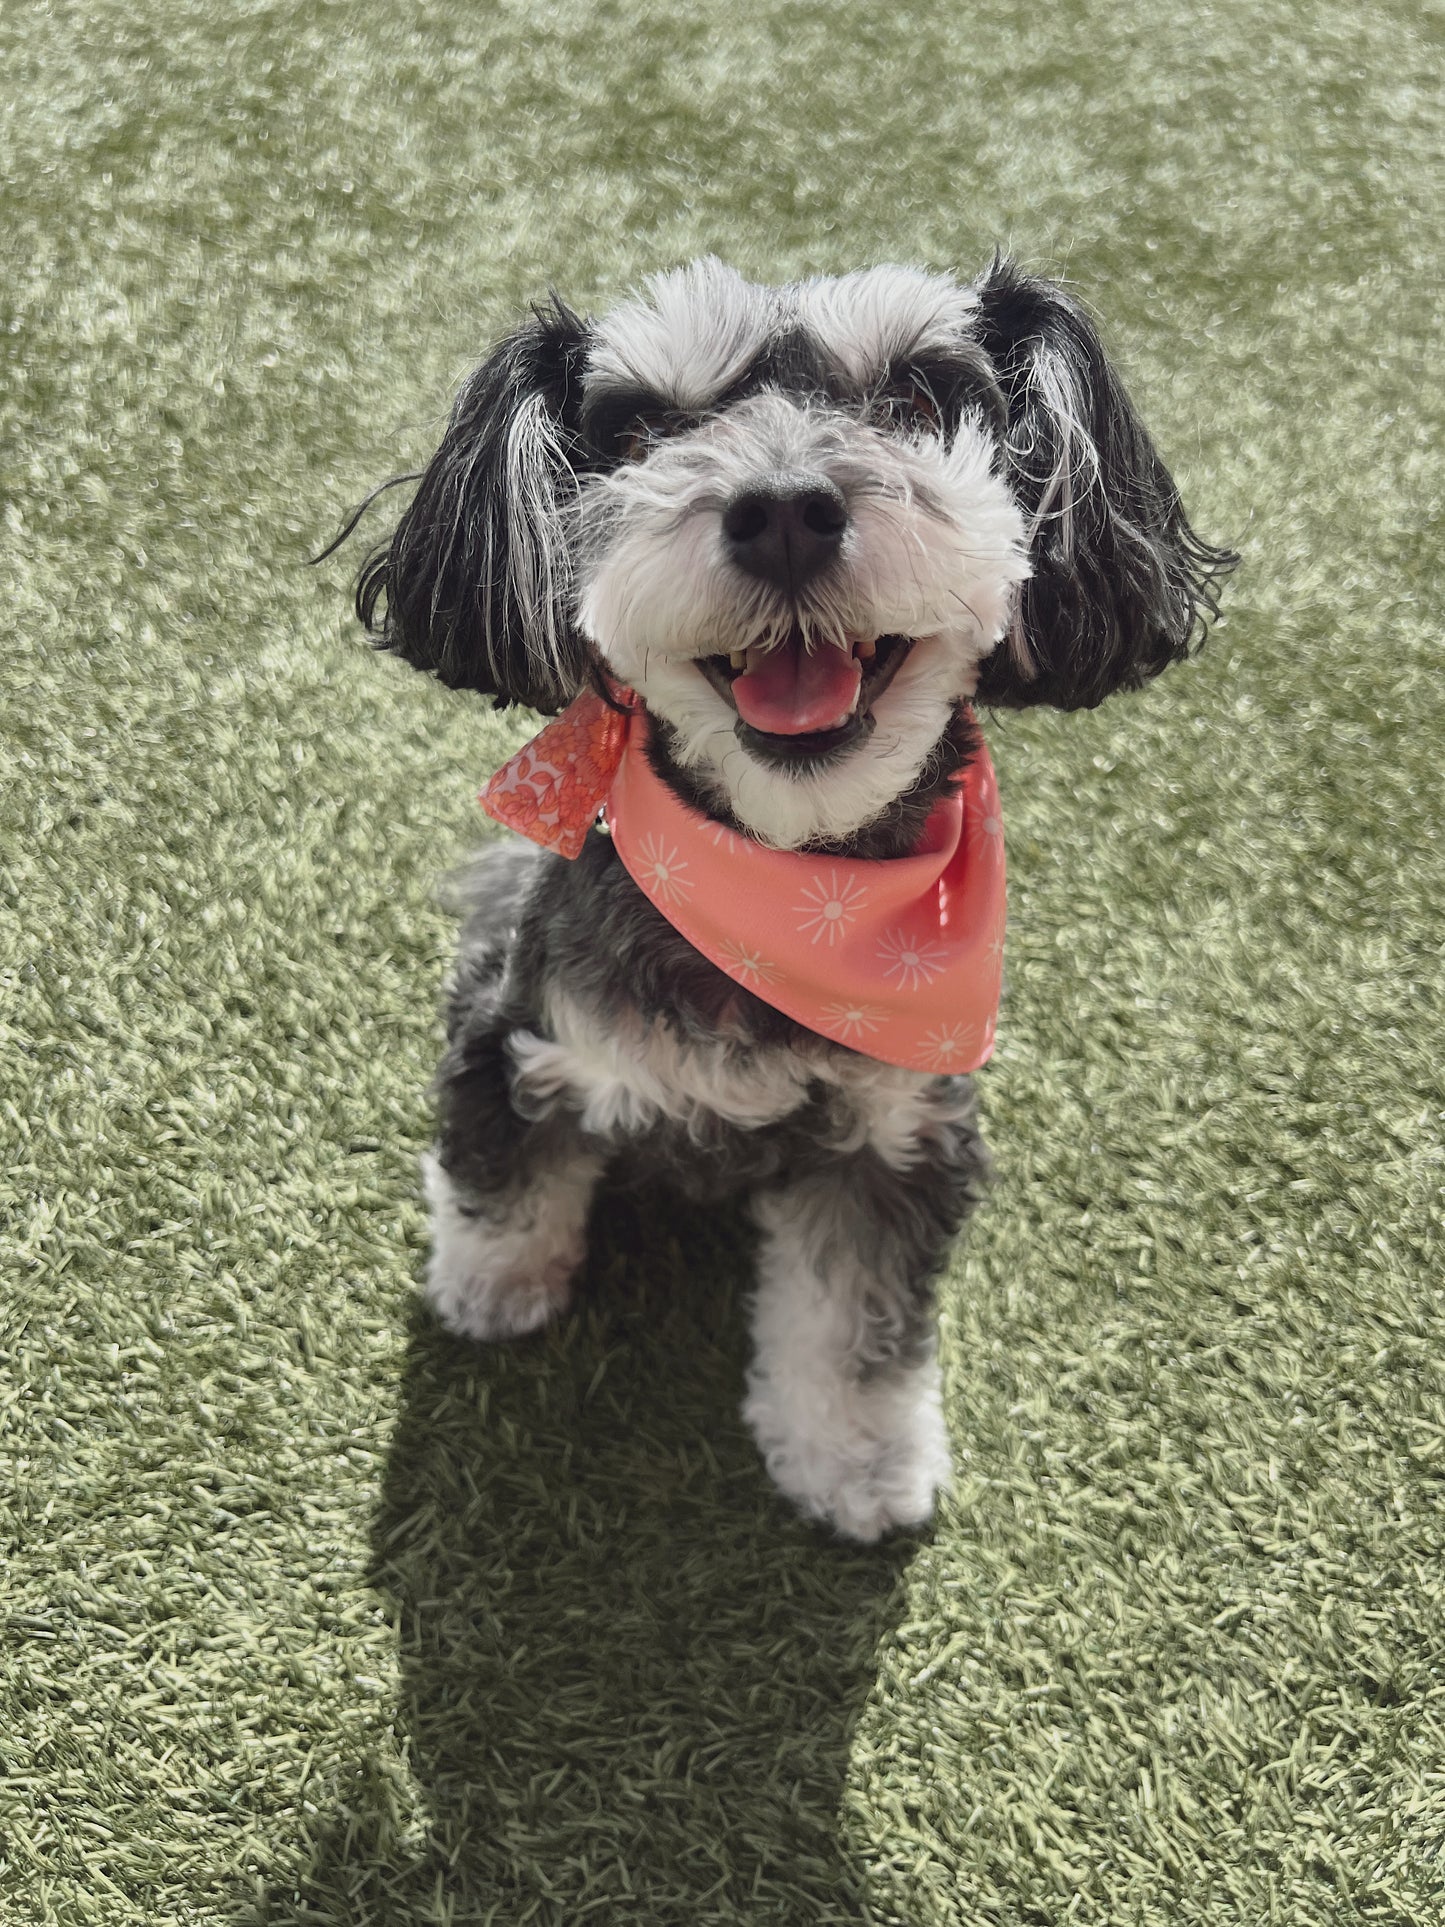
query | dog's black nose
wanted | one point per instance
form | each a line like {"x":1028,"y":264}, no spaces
{"x":787,"y":530}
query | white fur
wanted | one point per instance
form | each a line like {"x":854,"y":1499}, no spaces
{"x":536,"y":558}
{"x":934,"y":545}
{"x":624,"y":1080}
{"x":868,"y":320}
{"x":934,"y":550}
{"x":689,"y":337}
{"x":898,"y":1108}
{"x":692,"y":332}
{"x":864,"y":1452}
{"x":492,"y":1278}
{"x":623,"y":1076}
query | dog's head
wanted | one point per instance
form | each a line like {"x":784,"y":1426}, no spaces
{"x":806,"y":524}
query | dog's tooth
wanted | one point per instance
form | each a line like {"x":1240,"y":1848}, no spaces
{"x":739,"y":658}
{"x":865,"y":651}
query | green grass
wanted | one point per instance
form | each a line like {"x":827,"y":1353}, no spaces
{"x":313,"y":1616}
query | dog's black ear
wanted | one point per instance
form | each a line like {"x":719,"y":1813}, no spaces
{"x":1121,"y":584}
{"x":476,"y":582}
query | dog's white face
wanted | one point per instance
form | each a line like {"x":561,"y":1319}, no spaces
{"x":805,"y":550}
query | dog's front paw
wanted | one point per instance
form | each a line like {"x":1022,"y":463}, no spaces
{"x":476,"y":1296}
{"x":495,"y":1278}
{"x":863,"y":1458}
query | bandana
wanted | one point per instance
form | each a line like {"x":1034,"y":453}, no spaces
{"x":899,"y":958}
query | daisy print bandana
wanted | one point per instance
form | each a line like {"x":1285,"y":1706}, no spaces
{"x":899,"y":958}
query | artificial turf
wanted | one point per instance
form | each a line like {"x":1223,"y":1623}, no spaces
{"x":313,"y":1615}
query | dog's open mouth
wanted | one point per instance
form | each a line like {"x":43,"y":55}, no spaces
{"x":795,"y":703}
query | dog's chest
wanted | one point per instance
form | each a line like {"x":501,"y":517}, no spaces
{"x":626,"y":1079}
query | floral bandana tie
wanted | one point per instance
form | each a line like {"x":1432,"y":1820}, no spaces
{"x":899,"y":958}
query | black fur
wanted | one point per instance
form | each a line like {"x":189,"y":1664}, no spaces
{"x":441,"y":592}
{"x":1121,"y":583}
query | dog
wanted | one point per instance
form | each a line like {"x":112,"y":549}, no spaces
{"x":796,"y":535}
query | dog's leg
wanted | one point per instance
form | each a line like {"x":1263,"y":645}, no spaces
{"x":509,"y":1198}
{"x":503,"y":1266}
{"x":844,"y":1396}
{"x":508,"y":1192}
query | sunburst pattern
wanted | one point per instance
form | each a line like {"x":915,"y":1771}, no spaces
{"x":830,"y":905}
{"x":664,"y":872}
{"x":986,"y":826}
{"x":851,"y":1023}
{"x":911,"y":961}
{"x":949,"y":1047}
{"x":747,"y":964}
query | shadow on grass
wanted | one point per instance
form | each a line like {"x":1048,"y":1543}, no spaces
{"x":629,"y":1676}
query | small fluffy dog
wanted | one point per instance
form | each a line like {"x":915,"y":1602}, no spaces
{"x":809,"y":526}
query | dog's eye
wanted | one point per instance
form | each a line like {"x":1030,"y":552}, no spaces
{"x":639,"y":434}
{"x":908,"y":406}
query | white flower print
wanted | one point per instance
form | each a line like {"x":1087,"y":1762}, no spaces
{"x":850,"y":1023}
{"x":662,"y":871}
{"x":748,"y":965}
{"x":914,"y":961}
{"x":948,"y":1047}
{"x":988,"y":826}
{"x":829,"y":907}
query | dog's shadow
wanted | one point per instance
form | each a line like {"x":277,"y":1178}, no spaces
{"x":629,"y":1676}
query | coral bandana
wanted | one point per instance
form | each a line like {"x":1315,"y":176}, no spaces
{"x":899,"y":958}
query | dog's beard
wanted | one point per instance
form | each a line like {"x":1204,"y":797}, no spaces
{"x":847,"y":685}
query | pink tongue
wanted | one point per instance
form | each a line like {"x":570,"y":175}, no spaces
{"x":791,"y":692}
